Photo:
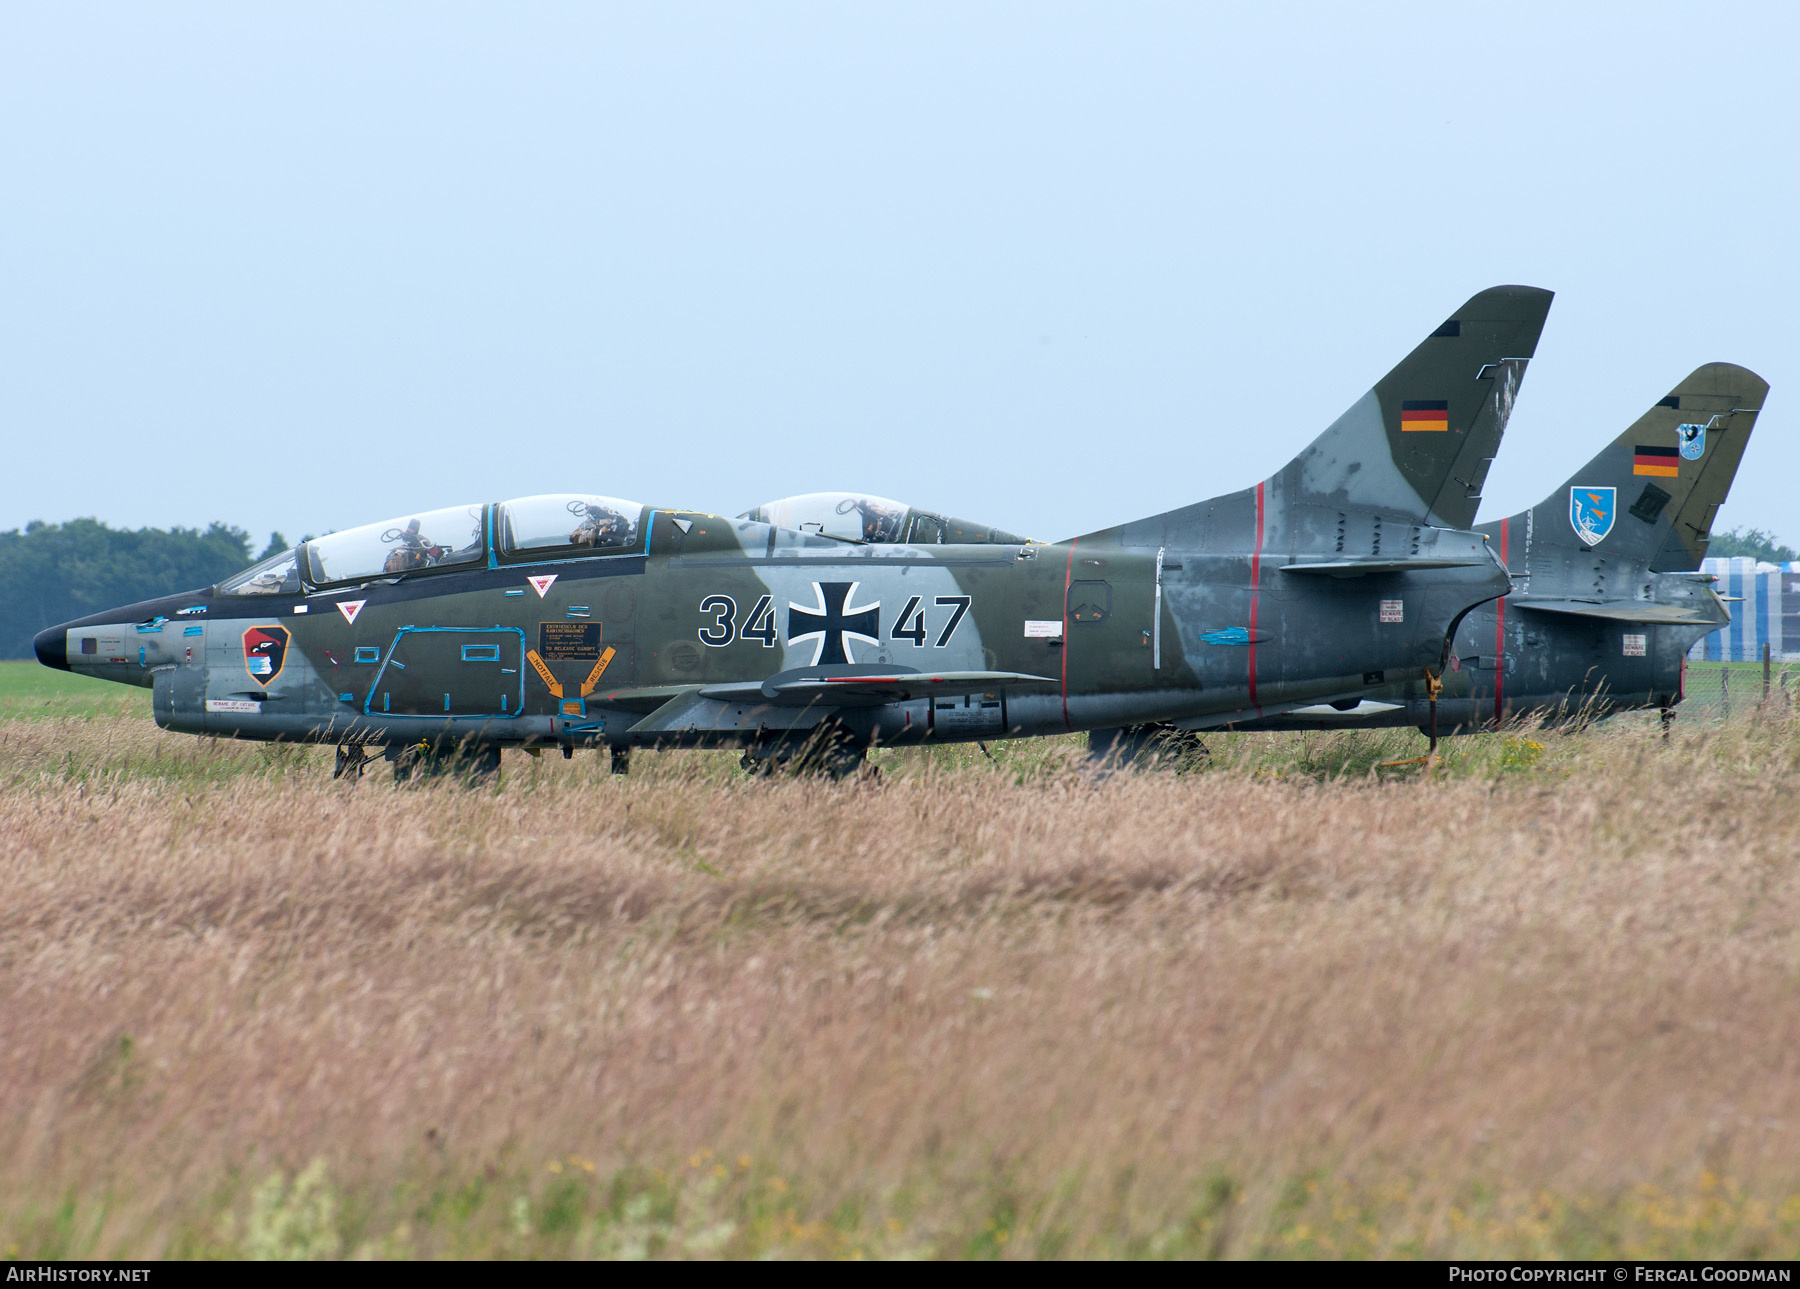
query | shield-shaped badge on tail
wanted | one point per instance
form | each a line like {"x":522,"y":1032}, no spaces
{"x":265,"y":652}
{"x":1592,"y":511}
{"x":1691,"y":439}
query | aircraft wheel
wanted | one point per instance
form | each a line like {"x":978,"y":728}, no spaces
{"x":759,"y":764}
{"x":830,"y":751}
{"x":827,"y":751}
{"x":406,"y":760}
{"x":1141,"y":747}
{"x":351,"y":758}
{"x":479,"y":767}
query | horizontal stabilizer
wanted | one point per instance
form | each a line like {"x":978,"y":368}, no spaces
{"x":1623,"y":610}
{"x":1365,"y":567}
{"x":866,"y":686}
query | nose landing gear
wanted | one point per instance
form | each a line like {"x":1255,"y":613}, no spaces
{"x":351,"y":758}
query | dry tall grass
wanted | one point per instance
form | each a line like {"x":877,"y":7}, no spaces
{"x":1525,"y":1008}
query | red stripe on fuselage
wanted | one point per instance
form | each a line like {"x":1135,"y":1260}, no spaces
{"x":1500,"y":624}
{"x":1068,"y":581}
{"x":1255,"y":593}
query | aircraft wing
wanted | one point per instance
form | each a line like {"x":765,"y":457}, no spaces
{"x":1622,"y":610}
{"x":1364,"y":567}
{"x":867,"y":687}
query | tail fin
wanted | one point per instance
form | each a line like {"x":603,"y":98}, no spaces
{"x":1723,"y":400}
{"x":1417,"y":447}
{"x":1652,"y":492}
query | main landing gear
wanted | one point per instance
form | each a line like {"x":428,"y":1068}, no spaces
{"x":829,"y":751}
{"x":1141,"y":747}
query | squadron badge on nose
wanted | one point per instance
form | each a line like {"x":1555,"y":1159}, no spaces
{"x":265,"y":652}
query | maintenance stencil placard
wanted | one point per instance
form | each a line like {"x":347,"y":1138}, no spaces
{"x":569,"y":641}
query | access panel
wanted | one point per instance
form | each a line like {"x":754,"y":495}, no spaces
{"x":450,"y":672}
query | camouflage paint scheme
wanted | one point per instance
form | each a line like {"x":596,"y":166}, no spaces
{"x":1593,"y":629}
{"x":1347,"y":569}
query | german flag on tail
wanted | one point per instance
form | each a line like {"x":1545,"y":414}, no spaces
{"x":1662,"y":462}
{"x":1425,"y":414}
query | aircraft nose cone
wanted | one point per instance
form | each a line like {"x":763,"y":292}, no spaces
{"x":52,"y":648}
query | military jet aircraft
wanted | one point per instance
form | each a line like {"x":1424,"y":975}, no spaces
{"x":1607,"y":598}
{"x":588,"y":621}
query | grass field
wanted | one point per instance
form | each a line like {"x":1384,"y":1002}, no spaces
{"x":1713,"y":685}
{"x":1283,"y":1002}
{"x":29,"y":691}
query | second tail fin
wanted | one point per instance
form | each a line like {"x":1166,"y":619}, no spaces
{"x":1652,"y":492}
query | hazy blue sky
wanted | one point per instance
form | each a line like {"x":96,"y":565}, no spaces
{"x":1049,"y":266}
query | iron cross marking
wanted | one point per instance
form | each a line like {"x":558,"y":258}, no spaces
{"x":833,"y":623}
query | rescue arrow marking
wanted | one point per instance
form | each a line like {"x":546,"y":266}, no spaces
{"x":593,"y":677}
{"x":350,"y":608}
{"x":541,"y":584}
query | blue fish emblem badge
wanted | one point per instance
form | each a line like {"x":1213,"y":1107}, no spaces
{"x":1691,"y":439}
{"x":1592,"y":511}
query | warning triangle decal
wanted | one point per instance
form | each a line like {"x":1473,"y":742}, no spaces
{"x":350,"y":608}
{"x":541,"y":584}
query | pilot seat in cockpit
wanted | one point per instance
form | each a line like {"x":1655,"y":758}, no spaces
{"x":411,"y":551}
{"x":599,"y":526}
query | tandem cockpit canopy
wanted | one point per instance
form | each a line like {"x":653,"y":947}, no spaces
{"x":869,"y":520}
{"x":564,"y":524}
{"x":429,"y":539}
{"x":526,"y":530}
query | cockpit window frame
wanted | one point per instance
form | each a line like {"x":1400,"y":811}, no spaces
{"x":480,"y":562}
{"x":224,"y":587}
{"x":637,"y":548}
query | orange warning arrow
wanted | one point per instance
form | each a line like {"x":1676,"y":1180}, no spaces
{"x":544,"y":673}
{"x":593,"y":677}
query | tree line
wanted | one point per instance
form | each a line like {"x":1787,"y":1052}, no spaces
{"x":1753,"y":542}
{"x":50,"y":573}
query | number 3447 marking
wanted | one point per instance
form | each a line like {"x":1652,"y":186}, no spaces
{"x":759,"y":623}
